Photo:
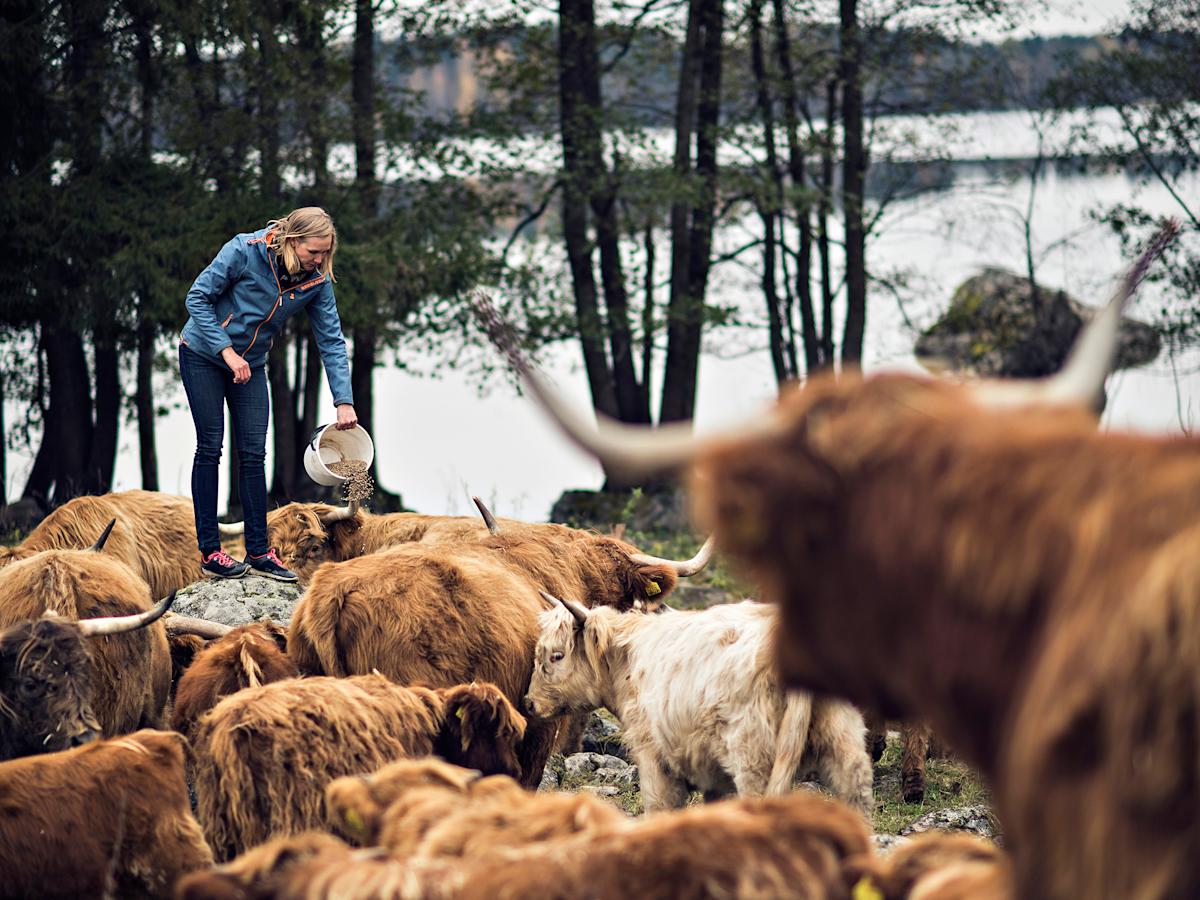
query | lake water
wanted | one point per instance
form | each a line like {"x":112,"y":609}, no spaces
{"x":438,"y":441}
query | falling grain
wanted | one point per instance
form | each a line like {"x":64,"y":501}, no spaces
{"x":358,"y":484}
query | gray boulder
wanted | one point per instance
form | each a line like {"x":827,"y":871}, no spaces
{"x":975,"y":819}
{"x":995,"y":329}
{"x":236,"y":601}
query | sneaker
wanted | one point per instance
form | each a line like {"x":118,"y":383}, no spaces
{"x":269,"y":565}
{"x":220,"y":564}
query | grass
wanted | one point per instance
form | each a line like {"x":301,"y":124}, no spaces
{"x":948,"y":784}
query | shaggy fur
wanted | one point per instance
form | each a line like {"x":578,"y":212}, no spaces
{"x":249,"y":656}
{"x":155,"y":535}
{"x":699,"y":702}
{"x":797,"y":847}
{"x":938,"y":866}
{"x":448,"y":614}
{"x":45,"y":688}
{"x":264,"y":755}
{"x":356,"y":803}
{"x":1027,"y":584}
{"x":131,"y":673}
{"x":184,"y":648}
{"x":109,"y":819}
{"x":262,"y":872}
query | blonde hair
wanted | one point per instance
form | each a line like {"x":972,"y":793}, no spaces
{"x":306,"y":222}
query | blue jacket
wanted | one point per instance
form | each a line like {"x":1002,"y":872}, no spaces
{"x":239,"y":302}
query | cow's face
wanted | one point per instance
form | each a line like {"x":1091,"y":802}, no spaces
{"x":45,"y":688}
{"x":299,"y":534}
{"x":566,"y":665}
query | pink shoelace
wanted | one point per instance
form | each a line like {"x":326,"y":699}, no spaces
{"x":273,"y":556}
{"x":222,"y":557}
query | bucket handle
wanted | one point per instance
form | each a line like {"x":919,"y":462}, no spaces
{"x":312,"y":441}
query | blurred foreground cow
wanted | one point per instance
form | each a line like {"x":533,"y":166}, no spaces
{"x":263,"y":756}
{"x":699,"y":702}
{"x":425,"y":808}
{"x":981,"y":556}
{"x":107,"y":820}
{"x":126,"y":663}
{"x":445,"y":614}
{"x":802,"y":846}
{"x":155,"y":535}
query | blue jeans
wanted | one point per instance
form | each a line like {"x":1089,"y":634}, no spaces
{"x":209,"y":386}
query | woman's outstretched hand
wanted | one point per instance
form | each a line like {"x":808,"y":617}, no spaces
{"x":346,"y":417}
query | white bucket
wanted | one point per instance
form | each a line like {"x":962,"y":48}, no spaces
{"x":328,"y":445}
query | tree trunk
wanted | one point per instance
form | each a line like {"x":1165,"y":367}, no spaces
{"x":144,"y":404}
{"x":824,"y":210}
{"x":267,"y":79}
{"x":68,"y":428}
{"x":577,"y":121}
{"x":708,"y":116}
{"x":684,"y":313}
{"x":363,"y":109}
{"x":769,"y":195}
{"x":3,"y":448}
{"x":102,"y":454}
{"x":854,"y":169}
{"x":648,"y":310}
{"x":813,"y":352}
{"x":283,"y":402}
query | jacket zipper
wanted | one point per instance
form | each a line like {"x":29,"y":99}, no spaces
{"x":278,"y":302}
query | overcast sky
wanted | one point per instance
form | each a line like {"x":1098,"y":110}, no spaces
{"x":1072,"y":17}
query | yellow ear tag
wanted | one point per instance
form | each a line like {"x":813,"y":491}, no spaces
{"x":460,"y":712}
{"x":652,"y":588}
{"x":354,"y":822}
{"x":866,"y":890}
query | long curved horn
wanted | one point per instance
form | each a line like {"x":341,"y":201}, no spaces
{"x":121,"y":624}
{"x":488,"y":519}
{"x":231,"y":529}
{"x":683,"y":568}
{"x":103,"y":539}
{"x":626,"y":450}
{"x":199,"y":627}
{"x":342,"y":513}
{"x":1081,"y":379}
{"x":579,"y":612}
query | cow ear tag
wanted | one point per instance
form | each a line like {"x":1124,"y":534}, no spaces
{"x":866,"y":890}
{"x":652,"y":588}
{"x":354,"y":822}
{"x":460,"y":712}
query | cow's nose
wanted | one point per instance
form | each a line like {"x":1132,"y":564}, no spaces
{"x":84,"y":736}
{"x":527,"y":706}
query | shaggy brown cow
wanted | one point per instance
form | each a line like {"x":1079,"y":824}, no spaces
{"x":264,"y":755}
{"x":110,"y":819}
{"x":449,"y":613}
{"x":797,"y":846}
{"x":131,"y":672}
{"x":983,"y":557}
{"x":427,"y":808}
{"x":46,"y":681}
{"x":937,"y":866}
{"x":155,"y":535}
{"x":248,"y":656}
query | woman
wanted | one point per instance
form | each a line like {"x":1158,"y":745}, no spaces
{"x":237,"y":305}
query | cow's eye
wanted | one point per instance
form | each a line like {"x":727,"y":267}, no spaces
{"x":556,"y":656}
{"x":31,"y":687}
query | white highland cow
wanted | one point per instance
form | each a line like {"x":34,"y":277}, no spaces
{"x":699,"y":702}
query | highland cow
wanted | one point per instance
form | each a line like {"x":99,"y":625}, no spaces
{"x":699,"y":703}
{"x":248,"y":656}
{"x":264,"y":755}
{"x":801,"y":846}
{"x":130,"y":671}
{"x":155,"y":535}
{"x":981,"y":556}
{"x":110,"y":819}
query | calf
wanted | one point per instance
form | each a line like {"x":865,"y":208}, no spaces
{"x":699,"y":702}
{"x":110,"y":819}
{"x":248,"y":656}
{"x":264,"y":755}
